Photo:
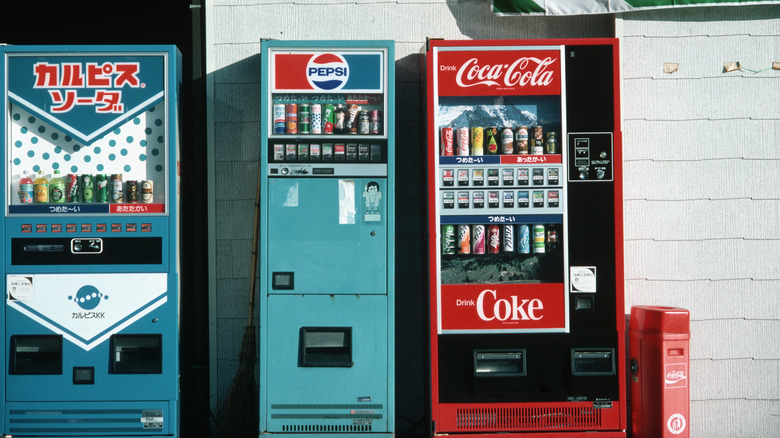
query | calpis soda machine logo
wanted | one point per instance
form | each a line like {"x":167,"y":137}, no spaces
{"x":97,"y":85}
{"x":88,"y":297}
{"x":327,"y":71}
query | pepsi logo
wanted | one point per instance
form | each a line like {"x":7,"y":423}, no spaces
{"x":327,"y":71}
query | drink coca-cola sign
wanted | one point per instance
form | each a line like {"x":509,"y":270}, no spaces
{"x":502,"y":307}
{"x":502,"y":72}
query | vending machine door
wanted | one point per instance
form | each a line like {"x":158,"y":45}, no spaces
{"x":327,"y":236}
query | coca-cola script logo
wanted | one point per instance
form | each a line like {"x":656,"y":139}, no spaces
{"x":676,"y":376}
{"x":525,"y":71}
{"x":512,"y":309}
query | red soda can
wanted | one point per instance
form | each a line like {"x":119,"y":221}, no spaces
{"x":464,"y":239}
{"x":72,"y":189}
{"x":463,"y":141}
{"x":494,"y":240}
{"x":291,"y":118}
{"x":478,"y":241}
{"x":447,"y":142}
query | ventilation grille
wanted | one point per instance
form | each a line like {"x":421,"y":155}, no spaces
{"x":326,"y":428}
{"x":514,"y":419}
{"x":78,"y":422}
{"x":320,"y":418}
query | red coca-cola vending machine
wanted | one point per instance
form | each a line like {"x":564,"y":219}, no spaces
{"x":525,"y":238}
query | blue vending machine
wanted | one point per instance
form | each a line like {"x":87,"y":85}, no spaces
{"x":90,"y":241}
{"x":327,"y":239}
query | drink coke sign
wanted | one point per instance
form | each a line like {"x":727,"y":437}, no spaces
{"x":499,"y":72}
{"x":502,"y":308}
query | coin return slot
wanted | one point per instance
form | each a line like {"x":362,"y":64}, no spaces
{"x":136,"y":354}
{"x":325,"y":347}
{"x":36,"y":354}
{"x":499,"y":363}
{"x":592,"y":362}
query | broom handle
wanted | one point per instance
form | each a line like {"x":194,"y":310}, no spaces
{"x":255,"y":232}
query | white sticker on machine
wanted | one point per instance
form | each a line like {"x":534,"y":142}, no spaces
{"x":583,"y":279}
{"x":346,"y":201}
{"x":152,"y":419}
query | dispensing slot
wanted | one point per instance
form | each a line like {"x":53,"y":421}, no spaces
{"x":136,"y":354}
{"x":36,"y":354}
{"x":499,"y":363}
{"x":325,"y":347}
{"x":592,"y":362}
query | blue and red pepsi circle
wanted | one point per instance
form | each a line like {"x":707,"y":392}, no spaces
{"x":327,"y":71}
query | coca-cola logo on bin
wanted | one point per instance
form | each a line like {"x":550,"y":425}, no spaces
{"x":501,"y":72}
{"x":676,"y":376}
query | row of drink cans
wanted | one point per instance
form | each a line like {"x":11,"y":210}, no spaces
{"x":316,"y":118}
{"x":88,"y":188}
{"x":348,"y":152}
{"x":494,"y":239}
{"x":494,"y":140}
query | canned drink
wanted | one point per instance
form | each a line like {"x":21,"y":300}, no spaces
{"x":539,"y":239}
{"x":552,"y":240}
{"x":304,"y":118}
{"x":327,"y":119}
{"x":279,"y":118}
{"x":316,"y":118}
{"x":524,"y":239}
{"x":494,"y":239}
{"x":101,"y":181}
{"x":339,"y":119}
{"x":132,"y":191}
{"x":116,"y":188}
{"x":521,"y":139}
{"x":478,"y":239}
{"x":72,"y":188}
{"x":448,"y":239}
{"x":538,"y":145}
{"x":147,"y":191}
{"x":477,"y":141}
{"x":447,"y":142}
{"x":291,"y":118}
{"x":375,"y":122}
{"x":363,"y":127}
{"x":87,"y":188}
{"x":278,"y":152}
{"x":464,"y":239}
{"x":463,"y":141}
{"x":509,"y":238}
{"x":351,"y":122}
{"x":507,"y":141}
{"x":552,"y":143}
{"x":492,"y":140}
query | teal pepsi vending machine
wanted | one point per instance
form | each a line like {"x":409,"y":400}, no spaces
{"x":90,"y":250}
{"x":327,"y":239}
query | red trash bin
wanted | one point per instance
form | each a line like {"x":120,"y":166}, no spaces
{"x":660,"y":401}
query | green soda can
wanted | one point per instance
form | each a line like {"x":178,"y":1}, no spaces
{"x":304,"y":118}
{"x":327,"y":119}
{"x":87,"y":188}
{"x":448,"y":239}
{"x":102,"y":187}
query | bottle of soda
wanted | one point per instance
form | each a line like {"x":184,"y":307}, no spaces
{"x":339,"y":120}
{"x":41,"y":189}
{"x":57,"y":189}
{"x":26,"y":188}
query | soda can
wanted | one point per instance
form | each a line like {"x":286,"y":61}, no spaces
{"x":478,"y":239}
{"x":521,"y":140}
{"x":101,"y":181}
{"x":447,"y":142}
{"x":552,"y":143}
{"x":507,"y":141}
{"x":494,"y":239}
{"x":509,"y":238}
{"x":375,"y":122}
{"x":464,"y":239}
{"x":132,"y":191}
{"x":339,"y":119}
{"x":350,"y":125}
{"x":492,"y":140}
{"x":116,"y":189}
{"x":304,"y":118}
{"x":278,"y":152}
{"x":523,"y":239}
{"x":147,"y":191}
{"x":279,"y":118}
{"x":539,"y":239}
{"x":477,"y":141}
{"x":316,"y":118}
{"x":87,"y":188}
{"x":463,"y":141}
{"x":291,"y":118}
{"x":327,"y":119}
{"x":72,"y":188}
{"x":363,"y":125}
{"x":538,"y":145}
{"x":448,"y":239}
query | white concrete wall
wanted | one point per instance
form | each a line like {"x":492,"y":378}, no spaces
{"x":702,"y":200}
{"x":702,"y":192}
